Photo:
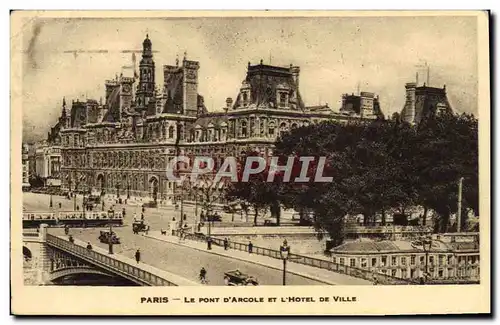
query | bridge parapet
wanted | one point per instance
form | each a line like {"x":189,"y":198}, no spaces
{"x":141,"y":274}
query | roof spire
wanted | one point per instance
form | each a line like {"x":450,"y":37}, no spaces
{"x":185,"y":55}
{"x":64,"y":102}
{"x":177,"y":60}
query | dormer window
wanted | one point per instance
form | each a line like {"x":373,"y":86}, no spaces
{"x":283,"y":99}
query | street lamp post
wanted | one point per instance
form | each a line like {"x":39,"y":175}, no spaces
{"x":284,"y":252}
{"x":74,"y":197}
{"x":427,"y":245}
{"x":128,"y":189}
{"x":117,"y":190}
{"x":50,"y":203}
{"x":110,"y":239}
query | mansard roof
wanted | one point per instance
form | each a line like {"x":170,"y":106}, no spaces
{"x":218,"y":119}
{"x":113,"y":106}
{"x":426,"y":102}
{"x":265,"y":80}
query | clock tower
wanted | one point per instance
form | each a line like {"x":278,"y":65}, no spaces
{"x":146,"y":87}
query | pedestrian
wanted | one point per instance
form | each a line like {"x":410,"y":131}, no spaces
{"x":123,"y":213}
{"x":138,"y":256}
{"x":202,"y":216}
{"x":142,"y":216}
{"x":143,"y":209}
{"x":250,"y":247}
{"x":71,"y":239}
{"x":226,"y":244}
{"x":199,"y":226}
{"x":77,"y":208}
{"x":209,"y":243}
{"x":184,"y":217}
{"x":89,"y":246}
{"x":60,"y":205}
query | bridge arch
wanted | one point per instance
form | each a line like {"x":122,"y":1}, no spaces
{"x":27,"y":253}
{"x":80,"y":270}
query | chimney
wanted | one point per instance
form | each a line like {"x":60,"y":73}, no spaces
{"x":295,"y":73}
{"x":229,"y":103}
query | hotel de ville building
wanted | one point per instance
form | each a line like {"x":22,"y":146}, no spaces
{"x":123,"y":145}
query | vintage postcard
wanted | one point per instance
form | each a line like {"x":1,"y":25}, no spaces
{"x":333,"y":163}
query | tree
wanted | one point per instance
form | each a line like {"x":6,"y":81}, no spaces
{"x":257,"y":191}
{"x":36,"y":181}
{"x":447,"y":150}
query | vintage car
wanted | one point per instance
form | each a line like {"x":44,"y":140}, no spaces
{"x":150,"y":204}
{"x":138,"y":226}
{"x":237,"y":278}
{"x":109,"y":237}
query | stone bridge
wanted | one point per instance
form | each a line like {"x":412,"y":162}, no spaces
{"x":52,"y":257}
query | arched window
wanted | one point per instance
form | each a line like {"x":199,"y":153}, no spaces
{"x":294,"y":126}
{"x":271,"y":128}
{"x":244,"y":130}
{"x":171,"y":131}
{"x":181,"y":132}
{"x":282,"y":129}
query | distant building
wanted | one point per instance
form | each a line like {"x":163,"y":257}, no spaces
{"x":364,"y":105}
{"x":422,"y":102}
{"x":452,"y":257}
{"x":25,"y":166}
{"x":48,"y":163}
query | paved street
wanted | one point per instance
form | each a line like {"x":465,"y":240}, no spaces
{"x":180,"y":260}
{"x":185,"y":261}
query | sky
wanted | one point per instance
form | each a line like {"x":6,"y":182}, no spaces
{"x":335,"y":55}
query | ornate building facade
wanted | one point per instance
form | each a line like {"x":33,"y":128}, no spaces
{"x":124,"y":145}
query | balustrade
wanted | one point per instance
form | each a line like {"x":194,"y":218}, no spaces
{"x":108,"y":262}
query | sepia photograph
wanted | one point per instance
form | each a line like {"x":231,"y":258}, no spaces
{"x":327,"y":151}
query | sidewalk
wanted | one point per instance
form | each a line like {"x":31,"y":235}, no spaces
{"x":320,"y":275}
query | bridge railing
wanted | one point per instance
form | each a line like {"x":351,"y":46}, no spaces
{"x":115,"y":265}
{"x":31,"y":232}
{"x":310,"y":261}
